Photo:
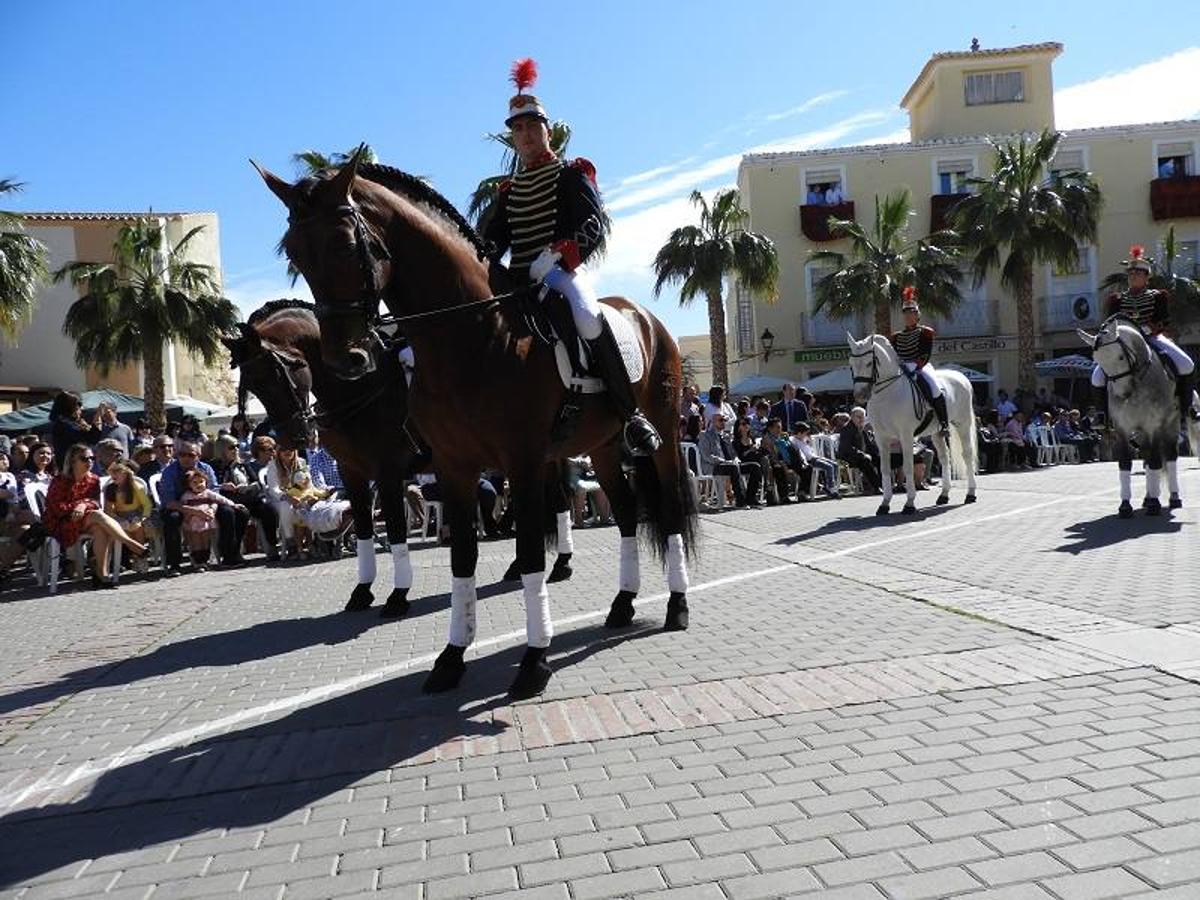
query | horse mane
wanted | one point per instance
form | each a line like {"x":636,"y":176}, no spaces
{"x":271,"y":307}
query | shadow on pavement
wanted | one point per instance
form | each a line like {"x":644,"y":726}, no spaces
{"x":1109,"y":530}
{"x":872,"y":522}
{"x":264,"y":772}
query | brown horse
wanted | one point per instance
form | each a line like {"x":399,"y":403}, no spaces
{"x":486,"y":393}
{"x":362,"y":424}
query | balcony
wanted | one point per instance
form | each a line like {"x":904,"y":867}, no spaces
{"x":940,"y":207}
{"x":818,"y":330}
{"x":1175,"y":198}
{"x":1068,"y":311}
{"x":814,"y":219}
{"x":973,"y":318}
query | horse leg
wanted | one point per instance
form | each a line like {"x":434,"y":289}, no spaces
{"x":1154,"y":461}
{"x":395,"y":519}
{"x":885,"y":475}
{"x":942,"y":448}
{"x":1124,"y":456}
{"x":561,"y":504}
{"x":359,"y":492}
{"x":1172,"y":466}
{"x":607,"y":463}
{"x":534,"y":672}
{"x":970,"y":453}
{"x":458,"y":503}
{"x":671,"y":519}
{"x":910,"y":480}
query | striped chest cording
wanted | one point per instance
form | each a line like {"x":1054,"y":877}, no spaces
{"x":908,"y":344}
{"x":1139,"y":307}
{"x":532,"y":212}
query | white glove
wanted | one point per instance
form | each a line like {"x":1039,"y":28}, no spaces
{"x":540,"y":267}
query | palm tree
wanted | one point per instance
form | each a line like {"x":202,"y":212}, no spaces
{"x":479,"y":208}
{"x":1035,"y":216}
{"x":22,"y":268}
{"x":310,"y":162}
{"x":150,"y":295}
{"x":1183,"y":289}
{"x":700,"y":258}
{"x":884,"y":262}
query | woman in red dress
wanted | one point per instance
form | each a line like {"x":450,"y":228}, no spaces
{"x":73,"y":509}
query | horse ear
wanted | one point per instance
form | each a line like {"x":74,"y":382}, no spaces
{"x":234,"y":346}
{"x":343,"y":182}
{"x":850,"y":339}
{"x":1089,"y":339}
{"x":278,"y":186}
{"x":250,"y":334}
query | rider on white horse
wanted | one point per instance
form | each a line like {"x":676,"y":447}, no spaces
{"x":914,"y":346}
{"x":550,"y":216}
{"x":1150,"y":310}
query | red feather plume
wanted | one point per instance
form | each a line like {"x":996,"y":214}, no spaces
{"x":524,"y":73}
{"x":1137,"y":251}
{"x":909,"y":293}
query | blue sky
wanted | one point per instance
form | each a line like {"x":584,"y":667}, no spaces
{"x":132,"y":105}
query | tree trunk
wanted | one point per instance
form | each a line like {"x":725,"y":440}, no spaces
{"x":716,"y":337}
{"x":1026,"y":374}
{"x":883,"y":317}
{"x":155,"y":387}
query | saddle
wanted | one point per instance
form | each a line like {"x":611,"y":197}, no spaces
{"x":921,"y":400}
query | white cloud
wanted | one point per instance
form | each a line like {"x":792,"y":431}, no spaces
{"x":899,"y":136}
{"x":251,"y":290}
{"x":1157,"y":91}
{"x":804,"y":107}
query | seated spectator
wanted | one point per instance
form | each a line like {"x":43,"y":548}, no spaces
{"x":279,"y":478}
{"x":427,"y":489}
{"x":18,"y":455}
{"x":39,"y":466}
{"x":163,"y":450}
{"x":230,"y":517}
{"x":262,"y":452}
{"x":243,"y":432}
{"x":317,"y":511}
{"x":761,"y":418}
{"x":323,"y":466}
{"x":1005,"y":408}
{"x":717,"y":404}
{"x":73,"y":510}
{"x":1087,"y":446}
{"x":198,"y":507}
{"x":854,"y":449}
{"x":14,"y":526}
{"x":991,"y":446}
{"x":748,"y":451}
{"x":582,"y":486}
{"x":1021,"y":447}
{"x":777,"y":456}
{"x":189,"y":430}
{"x":128,"y":502}
{"x":921,"y":457}
{"x":802,"y":441}
{"x":236,"y":481}
{"x":717,"y":457}
{"x":143,"y":435}
{"x":108,"y":451}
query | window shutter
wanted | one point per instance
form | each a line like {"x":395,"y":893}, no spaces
{"x":951,"y":166}
{"x":827,"y":176}
{"x":1180,"y":148}
{"x":1067,"y":161}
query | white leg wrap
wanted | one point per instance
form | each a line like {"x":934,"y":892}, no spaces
{"x":1173,"y":477}
{"x":1153,"y":483}
{"x":677,"y":577}
{"x":538,"y":627}
{"x":1099,"y":379}
{"x":630,"y":578}
{"x":1126,"y":484}
{"x":462,"y":611}
{"x":401,"y":567}
{"x":566,"y":543}
{"x":366,"y":561}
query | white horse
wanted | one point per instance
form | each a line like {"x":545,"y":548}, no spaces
{"x":897,"y":411}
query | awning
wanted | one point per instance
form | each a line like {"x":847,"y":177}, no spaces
{"x":838,"y":381}
{"x":758,"y":384}
{"x":129,"y":409}
{"x":973,"y":375}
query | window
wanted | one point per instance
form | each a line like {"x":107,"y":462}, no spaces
{"x":745,"y":322}
{"x":817,"y":272}
{"x":1175,"y":160}
{"x":995,"y":87}
{"x":953,"y":174}
{"x":823,"y":187}
{"x":1066,"y":161}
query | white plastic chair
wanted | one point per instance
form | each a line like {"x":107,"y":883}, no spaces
{"x":1062,"y":452}
{"x":48,"y":556}
{"x":702,"y":485}
{"x":1046,"y":455}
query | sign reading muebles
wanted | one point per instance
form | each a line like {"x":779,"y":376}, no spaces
{"x":943,"y":346}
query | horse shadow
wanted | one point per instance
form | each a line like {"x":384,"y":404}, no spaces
{"x":854,"y":524}
{"x":264,"y":772}
{"x":232,"y":648}
{"x":1110,"y":530}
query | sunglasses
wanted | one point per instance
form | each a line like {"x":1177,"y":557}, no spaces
{"x":88,"y":458}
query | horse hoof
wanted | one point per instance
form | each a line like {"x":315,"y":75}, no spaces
{"x":677,"y":613}
{"x":620,"y":615}
{"x":909,"y":511}
{"x":512,"y":573}
{"x":360,"y":598}
{"x":970,"y":498}
{"x":1153,"y":506}
{"x":447,"y":672}
{"x":1125,"y":510}
{"x":882,"y":510}
{"x":397,"y":604}
{"x":1176,"y":502}
{"x":532,"y":676}
{"x":943,"y":499}
{"x":561,"y":572}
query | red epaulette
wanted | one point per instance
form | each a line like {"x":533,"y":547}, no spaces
{"x":504,"y":185}
{"x":585,"y":166}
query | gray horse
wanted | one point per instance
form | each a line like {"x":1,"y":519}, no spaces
{"x":1141,"y":403}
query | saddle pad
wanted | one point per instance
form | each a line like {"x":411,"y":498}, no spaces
{"x":627,"y":341}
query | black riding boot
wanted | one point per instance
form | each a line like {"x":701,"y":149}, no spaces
{"x":606,"y":357}
{"x":1184,"y":385}
{"x":939,"y":409}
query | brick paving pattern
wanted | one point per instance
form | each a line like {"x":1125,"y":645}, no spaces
{"x":988,"y":701}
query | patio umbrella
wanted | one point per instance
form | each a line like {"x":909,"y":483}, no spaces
{"x":758,"y":384}
{"x":1074,"y":366}
{"x":837,"y":381}
{"x":973,"y":375}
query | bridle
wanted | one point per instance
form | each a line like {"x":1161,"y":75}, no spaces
{"x":1133,"y":367}
{"x":281,"y":373}
{"x":872,"y":381}
{"x":372,"y":253}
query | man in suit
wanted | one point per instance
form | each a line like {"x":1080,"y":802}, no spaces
{"x":718,"y":458}
{"x":789,"y":410}
{"x":853,"y":448}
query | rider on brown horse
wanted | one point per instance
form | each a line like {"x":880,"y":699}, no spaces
{"x":549,"y":216}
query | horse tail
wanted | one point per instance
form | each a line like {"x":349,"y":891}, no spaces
{"x":656,"y":517}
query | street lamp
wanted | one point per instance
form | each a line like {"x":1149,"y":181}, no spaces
{"x":768,"y":341}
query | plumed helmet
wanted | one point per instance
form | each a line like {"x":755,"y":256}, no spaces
{"x":1137,"y":260}
{"x":524,"y":75}
{"x":909,"y":300}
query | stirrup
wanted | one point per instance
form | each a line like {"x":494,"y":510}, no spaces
{"x":641,"y":436}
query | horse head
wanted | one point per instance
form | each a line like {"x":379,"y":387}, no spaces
{"x":277,"y":377}
{"x":1121,"y":351}
{"x":871,"y":360}
{"x":342,"y":257}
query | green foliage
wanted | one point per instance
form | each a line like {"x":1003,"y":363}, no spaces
{"x":23,"y":261}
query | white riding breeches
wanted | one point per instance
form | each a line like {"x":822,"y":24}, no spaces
{"x":1164,"y":345}
{"x":585,"y":306}
{"x":926,"y":374}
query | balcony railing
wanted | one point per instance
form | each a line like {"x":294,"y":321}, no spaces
{"x":814,"y":219}
{"x":1175,"y":198}
{"x":972,"y":318}
{"x":1075,"y":309}
{"x":940,"y":207}
{"x":821,"y":331}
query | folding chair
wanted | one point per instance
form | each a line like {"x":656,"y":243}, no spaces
{"x":45,"y":562}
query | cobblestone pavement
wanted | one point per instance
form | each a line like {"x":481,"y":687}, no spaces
{"x":994,"y":700}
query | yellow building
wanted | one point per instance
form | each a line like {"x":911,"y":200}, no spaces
{"x":43,"y":361}
{"x":1147,"y":173}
